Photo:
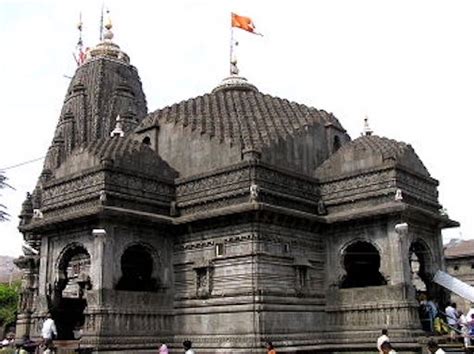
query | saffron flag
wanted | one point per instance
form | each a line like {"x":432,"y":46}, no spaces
{"x":244,"y":23}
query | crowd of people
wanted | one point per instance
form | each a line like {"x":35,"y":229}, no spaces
{"x":460,"y":324}
{"x":451,"y":322}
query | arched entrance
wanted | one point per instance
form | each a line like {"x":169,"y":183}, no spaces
{"x":362,"y":264}
{"x":73,"y":281}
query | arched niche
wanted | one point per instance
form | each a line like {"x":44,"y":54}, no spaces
{"x":361,"y":261}
{"x":137,"y":265}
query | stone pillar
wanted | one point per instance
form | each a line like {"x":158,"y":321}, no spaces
{"x":29,"y":286}
{"x":97,"y":264}
{"x":95,"y":300}
{"x":399,"y":271}
{"x":44,"y":284}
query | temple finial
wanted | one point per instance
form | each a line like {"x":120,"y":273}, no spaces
{"x":108,"y":23}
{"x":108,"y":26}
{"x":367,"y":130}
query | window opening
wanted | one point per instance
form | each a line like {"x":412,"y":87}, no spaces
{"x":302,"y":276}
{"x":336,"y":143}
{"x":362,"y":264}
{"x":219,"y":249}
{"x":137,"y":269}
{"x":201,"y":274}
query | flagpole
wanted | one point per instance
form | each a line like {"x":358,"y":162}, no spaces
{"x":231,"y":45}
{"x":101,"y":32}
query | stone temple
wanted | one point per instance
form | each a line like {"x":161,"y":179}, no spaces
{"x":228,"y":219}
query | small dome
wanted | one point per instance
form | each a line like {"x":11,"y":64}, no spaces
{"x":108,"y":49}
{"x":368,"y":152}
{"x":125,"y":153}
{"x":235,"y":83}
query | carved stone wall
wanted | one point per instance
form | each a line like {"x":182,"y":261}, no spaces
{"x":259,"y":269}
{"x":231,"y":186}
{"x":378,"y":186}
{"x":104,"y":186}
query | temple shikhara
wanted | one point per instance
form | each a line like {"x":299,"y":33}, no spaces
{"x":227,"y":219}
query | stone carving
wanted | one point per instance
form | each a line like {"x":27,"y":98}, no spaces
{"x":254,"y":189}
{"x":398,"y":195}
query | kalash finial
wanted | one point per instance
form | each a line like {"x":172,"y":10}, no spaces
{"x":108,"y":26}
{"x":106,"y":48}
{"x":367,"y":130}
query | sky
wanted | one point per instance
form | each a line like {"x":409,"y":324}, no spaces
{"x":408,"y":65}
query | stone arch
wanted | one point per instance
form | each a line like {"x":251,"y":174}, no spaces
{"x":67,"y":253}
{"x":421,"y":265}
{"x":139,"y":268}
{"x":70,"y":289}
{"x":361,"y":261}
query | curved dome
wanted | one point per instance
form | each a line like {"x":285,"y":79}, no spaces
{"x":125,"y":153}
{"x":368,"y":152}
{"x":237,"y":113}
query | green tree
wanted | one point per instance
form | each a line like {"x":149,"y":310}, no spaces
{"x":9,"y":295}
{"x":3,"y":184}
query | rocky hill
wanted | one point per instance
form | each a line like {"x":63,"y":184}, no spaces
{"x":7,"y":269}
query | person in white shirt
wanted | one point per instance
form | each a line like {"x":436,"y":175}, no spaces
{"x":452,"y":315}
{"x":49,"y":332}
{"x":434,"y":348}
{"x":381,"y":339}
{"x":187,"y":347}
{"x":470,"y":312}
